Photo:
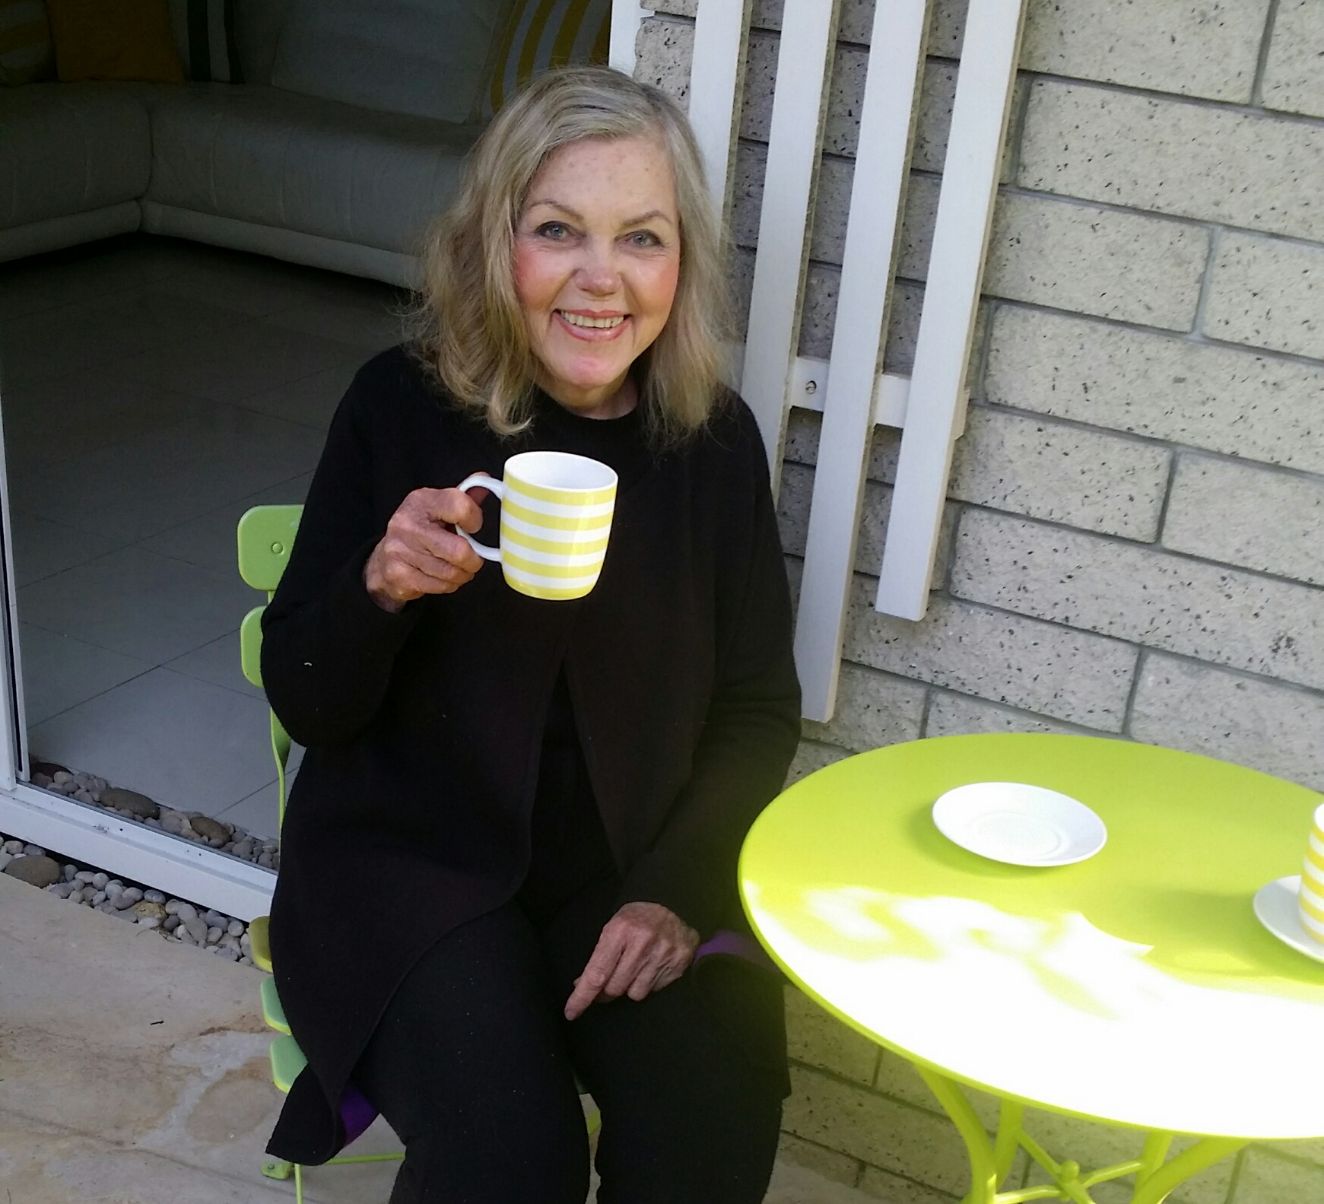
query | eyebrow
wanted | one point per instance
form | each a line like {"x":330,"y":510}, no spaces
{"x":642,"y":219}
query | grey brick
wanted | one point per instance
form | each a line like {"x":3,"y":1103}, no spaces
{"x":1178,"y":157}
{"x":1036,"y":666}
{"x":1269,"y":1180}
{"x":817,"y":1038}
{"x":1046,"y":470}
{"x":1077,"y":257}
{"x":839,"y":1168}
{"x":1248,"y":516}
{"x":873,"y":710}
{"x":793,"y":503}
{"x":1195,"y":47}
{"x":1269,"y":293}
{"x":663,"y":52}
{"x":841,"y":126}
{"x":1218,"y":398}
{"x":895,"y":1189}
{"x":1143,"y":595}
{"x":1207,"y":710}
{"x":920,"y":1145}
{"x":958,"y":714}
{"x":1293,"y":79}
{"x":811,"y":756}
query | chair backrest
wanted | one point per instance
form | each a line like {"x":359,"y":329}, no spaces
{"x":265,"y":537}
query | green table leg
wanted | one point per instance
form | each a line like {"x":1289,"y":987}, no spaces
{"x":1155,"y":1187}
{"x":991,"y":1160}
{"x":984,"y":1178}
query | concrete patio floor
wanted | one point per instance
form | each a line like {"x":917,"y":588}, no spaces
{"x":134,"y":1071}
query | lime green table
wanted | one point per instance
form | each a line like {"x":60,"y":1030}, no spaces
{"x":1135,"y":988}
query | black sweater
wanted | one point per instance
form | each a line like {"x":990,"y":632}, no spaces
{"x":424,"y":728}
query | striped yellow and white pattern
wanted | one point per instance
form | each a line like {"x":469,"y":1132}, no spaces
{"x":26,"y":53}
{"x":1311,"y":898}
{"x":553,"y":539}
{"x":541,"y":34}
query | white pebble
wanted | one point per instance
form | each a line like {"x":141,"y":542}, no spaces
{"x":235,"y":928}
{"x":100,"y":881}
{"x":154,"y":896}
{"x":98,"y":898}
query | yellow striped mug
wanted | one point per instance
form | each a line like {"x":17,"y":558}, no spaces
{"x":1311,"y":897}
{"x":556,"y":513}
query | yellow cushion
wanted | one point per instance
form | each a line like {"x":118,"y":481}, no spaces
{"x":114,"y":39}
{"x":546,"y":33}
{"x":25,"y":42}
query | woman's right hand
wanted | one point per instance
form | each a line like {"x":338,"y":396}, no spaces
{"x":420,"y":553}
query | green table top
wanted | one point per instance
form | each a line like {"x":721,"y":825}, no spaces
{"x":1136,"y":987}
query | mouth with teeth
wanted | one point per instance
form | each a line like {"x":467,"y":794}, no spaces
{"x":583,"y":324}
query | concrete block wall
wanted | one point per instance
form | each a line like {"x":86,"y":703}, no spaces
{"x":1134,"y":537}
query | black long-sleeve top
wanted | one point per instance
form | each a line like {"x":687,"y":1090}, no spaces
{"x":413,"y":808}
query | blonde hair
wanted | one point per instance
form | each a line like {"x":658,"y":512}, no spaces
{"x":469,"y":326}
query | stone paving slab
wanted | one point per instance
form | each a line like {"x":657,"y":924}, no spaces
{"x":134,"y":1071}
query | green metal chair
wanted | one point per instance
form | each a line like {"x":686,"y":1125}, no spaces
{"x":265,"y":537}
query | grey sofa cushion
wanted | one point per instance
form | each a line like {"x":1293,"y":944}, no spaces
{"x":71,"y":148}
{"x":427,"y":58}
{"x":265,"y":155}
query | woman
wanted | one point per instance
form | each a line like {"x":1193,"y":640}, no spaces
{"x":536,"y":807}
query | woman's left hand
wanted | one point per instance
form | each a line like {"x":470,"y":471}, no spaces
{"x":643,"y":948}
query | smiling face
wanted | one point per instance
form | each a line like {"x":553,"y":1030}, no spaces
{"x":597,"y":259}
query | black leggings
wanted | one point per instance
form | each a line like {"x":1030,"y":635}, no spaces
{"x":473,"y":1066}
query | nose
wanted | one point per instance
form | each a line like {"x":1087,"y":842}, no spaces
{"x":597,"y":273}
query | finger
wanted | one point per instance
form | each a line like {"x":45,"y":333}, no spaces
{"x":451,"y":506}
{"x":588,"y":986}
{"x":635,"y":965}
{"x":441,"y":544}
{"x":407,"y":572}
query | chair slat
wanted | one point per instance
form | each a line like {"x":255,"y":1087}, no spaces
{"x":951,"y":295}
{"x":877,"y":194}
{"x":804,"y":70}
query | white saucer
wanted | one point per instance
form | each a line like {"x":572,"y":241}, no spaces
{"x":1019,"y":824}
{"x":1275,"y":908}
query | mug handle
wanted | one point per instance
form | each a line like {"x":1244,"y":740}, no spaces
{"x":473,"y":479}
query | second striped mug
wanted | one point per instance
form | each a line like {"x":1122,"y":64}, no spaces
{"x":556,"y":513}
{"x":1310,"y":899}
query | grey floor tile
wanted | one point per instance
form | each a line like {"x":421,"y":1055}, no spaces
{"x":372,"y":327}
{"x":138,"y":603}
{"x":49,"y":421}
{"x":43,"y":548}
{"x":60,"y":671}
{"x":167,"y":475}
{"x":311,"y":401}
{"x":209,"y":539}
{"x":256,"y":814}
{"x":101,"y":269}
{"x":184,"y":742}
{"x":259,"y":285}
{"x":218,"y":663}
{"x":240,"y":360}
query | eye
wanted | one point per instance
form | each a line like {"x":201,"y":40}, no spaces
{"x":555,"y":231}
{"x":643,"y":238}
